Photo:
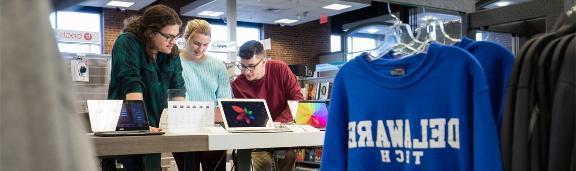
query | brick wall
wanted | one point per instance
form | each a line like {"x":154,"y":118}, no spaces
{"x":301,"y":44}
{"x":113,"y":21}
{"x":113,"y":24}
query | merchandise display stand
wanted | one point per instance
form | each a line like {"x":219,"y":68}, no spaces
{"x":244,"y":142}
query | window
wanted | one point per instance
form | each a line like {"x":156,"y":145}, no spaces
{"x":358,"y":45}
{"x":479,"y":36}
{"x":335,"y":43}
{"x":355,"y":44}
{"x":243,"y":34}
{"x":504,"y":39}
{"x":78,"y":21}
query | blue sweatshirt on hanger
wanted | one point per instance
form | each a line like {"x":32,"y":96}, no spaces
{"x":497,"y":63}
{"x":429,"y":111}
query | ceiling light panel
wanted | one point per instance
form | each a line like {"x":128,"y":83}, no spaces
{"x":502,"y":3}
{"x":285,"y":21}
{"x":372,"y":30}
{"x":336,"y":6}
{"x":123,"y":4}
{"x":211,"y":13}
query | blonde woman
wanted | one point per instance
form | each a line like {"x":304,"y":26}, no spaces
{"x":206,"y":79}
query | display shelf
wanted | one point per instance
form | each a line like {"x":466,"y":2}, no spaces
{"x":308,"y":164}
{"x":185,"y":142}
{"x":316,"y":79}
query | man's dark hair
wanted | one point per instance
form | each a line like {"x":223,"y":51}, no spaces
{"x":250,"y":48}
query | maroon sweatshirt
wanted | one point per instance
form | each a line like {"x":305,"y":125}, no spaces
{"x":277,"y":86}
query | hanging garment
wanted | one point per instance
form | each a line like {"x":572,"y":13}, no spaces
{"x":423,"y":112}
{"x":563,"y":119}
{"x":507,"y":125}
{"x":541,"y":129}
{"x":497,"y":63}
{"x":522,"y":117}
{"x":535,"y":135}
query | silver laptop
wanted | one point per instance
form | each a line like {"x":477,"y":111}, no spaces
{"x":247,"y":115}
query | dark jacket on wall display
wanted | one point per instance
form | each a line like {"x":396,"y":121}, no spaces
{"x":538,"y":126}
{"x":563,"y":119}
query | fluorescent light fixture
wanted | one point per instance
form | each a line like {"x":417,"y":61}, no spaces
{"x":336,"y":6}
{"x":428,"y":17}
{"x":502,"y":3}
{"x":211,"y":13}
{"x":285,"y":21}
{"x":122,"y":4}
{"x":372,"y":30}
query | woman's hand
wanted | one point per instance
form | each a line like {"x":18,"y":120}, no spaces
{"x":154,"y":129}
{"x":217,"y":115}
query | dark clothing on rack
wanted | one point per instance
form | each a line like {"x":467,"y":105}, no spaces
{"x":544,"y":74}
{"x":523,"y":113}
{"x":507,"y":126}
{"x":557,"y":60}
{"x":538,"y":125}
{"x":563,"y":120}
{"x":541,"y":126}
{"x":529,"y":118}
{"x":573,"y":166}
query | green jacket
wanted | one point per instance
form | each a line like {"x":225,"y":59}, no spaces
{"x":131,"y":72}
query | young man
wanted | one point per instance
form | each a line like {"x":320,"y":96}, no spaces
{"x":273,"y":81}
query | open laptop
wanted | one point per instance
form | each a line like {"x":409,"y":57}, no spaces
{"x":133,"y":121}
{"x":247,"y":115}
{"x":313,"y":113}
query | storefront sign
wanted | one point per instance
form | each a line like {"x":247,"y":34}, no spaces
{"x":222,"y":46}
{"x":78,"y":36}
{"x":214,"y":46}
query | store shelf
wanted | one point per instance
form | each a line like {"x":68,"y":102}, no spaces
{"x":317,"y":79}
{"x":308,"y":164}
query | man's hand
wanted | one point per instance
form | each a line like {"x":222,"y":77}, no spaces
{"x":154,"y":129}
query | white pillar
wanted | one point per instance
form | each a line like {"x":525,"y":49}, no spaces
{"x":231,"y":25}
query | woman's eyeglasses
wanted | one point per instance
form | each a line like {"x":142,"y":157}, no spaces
{"x":168,"y":37}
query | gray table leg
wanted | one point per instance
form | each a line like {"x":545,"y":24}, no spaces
{"x":244,"y":160}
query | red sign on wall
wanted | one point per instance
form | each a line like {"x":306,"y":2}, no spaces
{"x":323,"y":18}
{"x":87,"y":36}
{"x":78,"y":36}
